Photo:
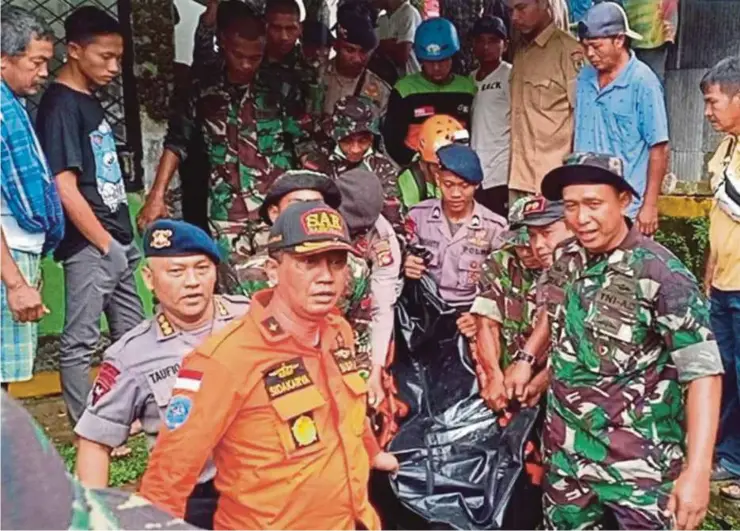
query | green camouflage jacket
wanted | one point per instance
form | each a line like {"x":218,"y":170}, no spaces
{"x":628,"y":329}
{"x":507,"y":296}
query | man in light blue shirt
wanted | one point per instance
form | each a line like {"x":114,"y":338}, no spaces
{"x":620,"y":108}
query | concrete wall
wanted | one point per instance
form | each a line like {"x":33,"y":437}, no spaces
{"x":709,"y":30}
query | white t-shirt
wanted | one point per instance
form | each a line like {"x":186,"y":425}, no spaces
{"x":17,"y":238}
{"x":383,"y":29}
{"x":491,"y":127}
{"x":402,"y":24}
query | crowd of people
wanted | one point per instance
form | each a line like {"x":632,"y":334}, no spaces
{"x":343,"y":163}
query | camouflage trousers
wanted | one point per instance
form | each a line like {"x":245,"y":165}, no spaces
{"x":569,"y":503}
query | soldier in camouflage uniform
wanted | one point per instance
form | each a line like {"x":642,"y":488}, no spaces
{"x":284,"y":74}
{"x":348,"y":74}
{"x":506,"y":305}
{"x":630,"y":332}
{"x":354,"y":131}
{"x":248,"y":136}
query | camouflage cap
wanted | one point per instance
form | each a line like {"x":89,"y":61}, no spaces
{"x":353,"y":114}
{"x":586,"y":168}
{"x":516,"y":237}
{"x":535,"y":211}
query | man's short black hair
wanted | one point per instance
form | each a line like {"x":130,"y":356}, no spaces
{"x":289,"y":7}
{"x":88,"y":22}
{"x":237,"y":16}
{"x":725,"y":74}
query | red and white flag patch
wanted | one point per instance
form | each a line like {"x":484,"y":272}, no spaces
{"x":188,"y":380}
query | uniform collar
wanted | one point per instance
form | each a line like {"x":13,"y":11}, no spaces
{"x":269,"y":327}
{"x":474,"y":222}
{"x":166,"y":330}
{"x":544,"y":36}
{"x":623,"y":79}
{"x":618,"y":259}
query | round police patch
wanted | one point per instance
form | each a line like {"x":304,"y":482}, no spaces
{"x":178,"y":411}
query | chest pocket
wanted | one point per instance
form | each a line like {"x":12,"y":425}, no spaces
{"x":300,"y":421}
{"x":357,"y":412}
{"x":613,"y":325}
{"x":546,"y":94}
{"x":626,"y":127}
{"x":469,"y":270}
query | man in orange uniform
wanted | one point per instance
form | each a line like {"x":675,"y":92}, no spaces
{"x":277,"y":399}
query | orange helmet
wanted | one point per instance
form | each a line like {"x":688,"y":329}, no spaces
{"x":438,"y":131}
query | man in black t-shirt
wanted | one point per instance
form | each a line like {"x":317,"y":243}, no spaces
{"x":98,"y":252}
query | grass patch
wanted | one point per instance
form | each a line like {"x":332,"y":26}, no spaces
{"x":122,"y":470}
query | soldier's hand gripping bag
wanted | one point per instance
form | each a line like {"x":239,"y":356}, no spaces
{"x":461,"y":467}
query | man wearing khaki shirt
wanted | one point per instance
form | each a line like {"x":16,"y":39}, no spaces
{"x":542,"y":95}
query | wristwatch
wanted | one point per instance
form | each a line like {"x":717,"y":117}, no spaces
{"x":526,"y":357}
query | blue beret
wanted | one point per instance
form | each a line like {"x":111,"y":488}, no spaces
{"x":172,"y":237}
{"x":462,"y":161}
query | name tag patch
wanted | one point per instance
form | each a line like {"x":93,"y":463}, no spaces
{"x":286,"y":377}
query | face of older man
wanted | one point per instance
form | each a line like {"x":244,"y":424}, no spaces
{"x":184,"y":286}
{"x":27,"y":72}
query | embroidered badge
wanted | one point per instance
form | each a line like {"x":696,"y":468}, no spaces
{"x":534,"y":206}
{"x":344,"y":356}
{"x":321,"y":221}
{"x":161,"y":238}
{"x":286,"y":377}
{"x":178,"y":411}
{"x":271,"y":325}
{"x":107,"y":376}
{"x":304,"y":431}
{"x":164,"y":325}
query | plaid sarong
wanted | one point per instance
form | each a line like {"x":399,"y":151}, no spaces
{"x":19,"y":340}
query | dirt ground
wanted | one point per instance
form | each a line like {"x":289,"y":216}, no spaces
{"x":49,"y":411}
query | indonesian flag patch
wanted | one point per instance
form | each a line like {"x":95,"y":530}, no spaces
{"x":188,"y":380}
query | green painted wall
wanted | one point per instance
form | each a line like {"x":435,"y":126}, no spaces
{"x":53,"y":288}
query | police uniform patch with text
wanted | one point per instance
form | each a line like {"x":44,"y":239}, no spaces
{"x":344,"y":356}
{"x":107,"y":376}
{"x":286,"y":377}
{"x":303,"y":430}
{"x":383,"y":254}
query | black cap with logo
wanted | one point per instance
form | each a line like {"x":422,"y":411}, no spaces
{"x":309,"y":227}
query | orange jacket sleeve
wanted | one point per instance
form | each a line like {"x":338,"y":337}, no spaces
{"x":204,"y":402}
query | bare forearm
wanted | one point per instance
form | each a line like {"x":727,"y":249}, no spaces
{"x":489,"y":345}
{"x":702,"y":419}
{"x":168,"y":164}
{"x":657,"y":168}
{"x":539,"y":340}
{"x":93,"y":460}
{"x":78,"y":210}
{"x":11,"y":275}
